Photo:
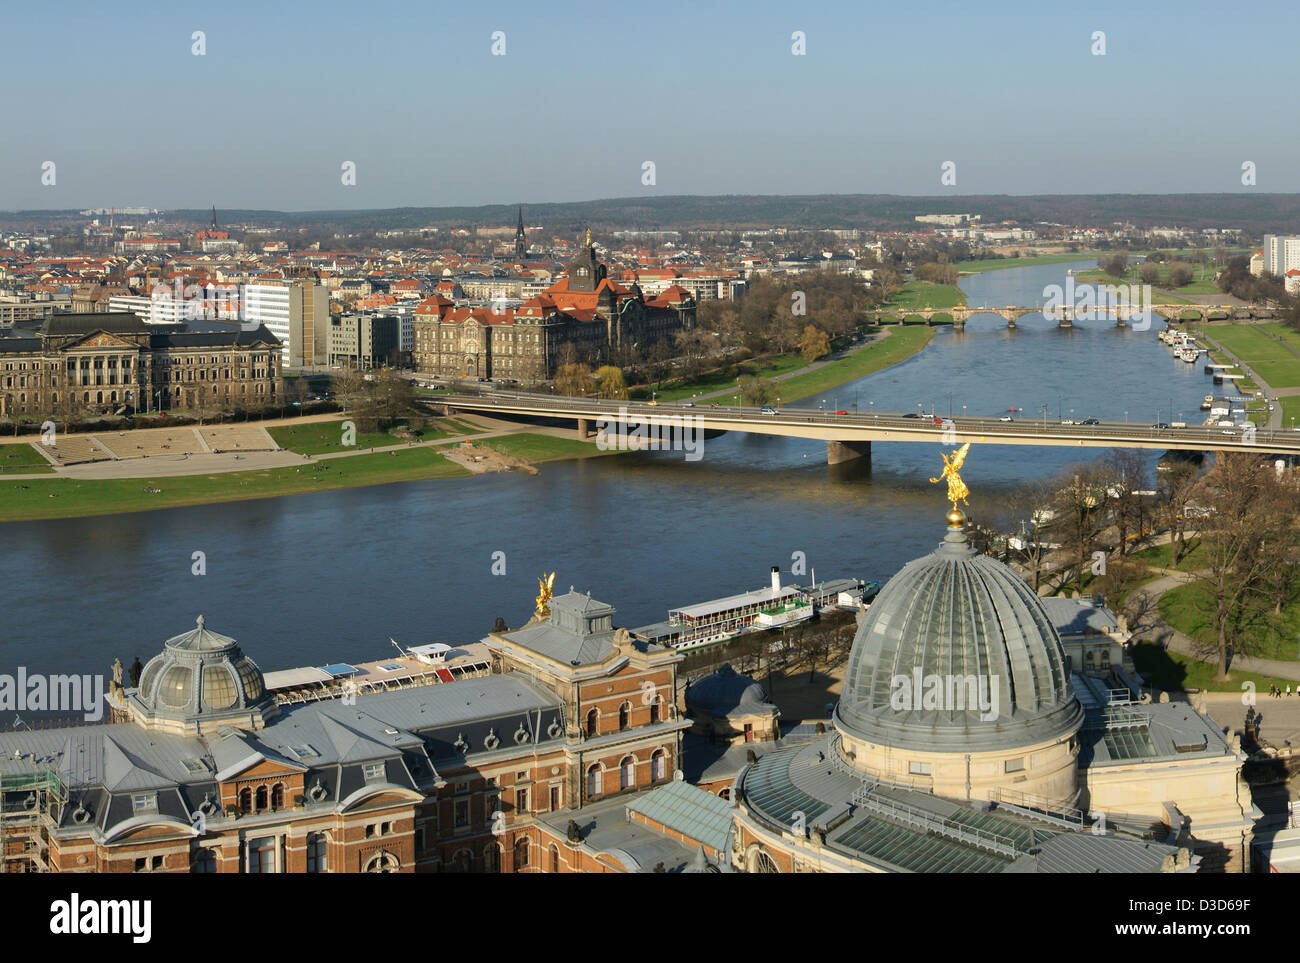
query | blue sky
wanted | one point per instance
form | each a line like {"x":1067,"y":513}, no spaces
{"x":587,"y":92}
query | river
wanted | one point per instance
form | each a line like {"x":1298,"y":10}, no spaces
{"x":329,"y":577}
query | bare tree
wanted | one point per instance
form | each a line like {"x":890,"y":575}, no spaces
{"x":1247,"y":541}
{"x":1177,"y":488}
{"x":1078,"y":503}
{"x":1125,"y":474}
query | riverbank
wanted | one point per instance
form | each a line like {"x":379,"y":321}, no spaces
{"x":313,"y":458}
{"x":35,"y":499}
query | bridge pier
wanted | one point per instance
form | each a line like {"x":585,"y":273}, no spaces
{"x":584,"y":428}
{"x":1011,"y":322}
{"x":838,"y":452}
{"x":1065,"y":322}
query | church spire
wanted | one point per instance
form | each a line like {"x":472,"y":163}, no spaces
{"x":521,"y":238}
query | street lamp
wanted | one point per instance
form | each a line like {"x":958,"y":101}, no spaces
{"x":1044,"y":407}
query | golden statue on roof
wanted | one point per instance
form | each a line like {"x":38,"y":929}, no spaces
{"x":588,"y":237}
{"x":545,"y":585}
{"x":957,"y":490}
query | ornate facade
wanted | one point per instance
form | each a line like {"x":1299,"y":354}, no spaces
{"x":106,"y":362}
{"x":204,"y":769}
{"x":586,"y":310}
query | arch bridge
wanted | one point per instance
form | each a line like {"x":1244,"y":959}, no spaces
{"x":1066,"y":315}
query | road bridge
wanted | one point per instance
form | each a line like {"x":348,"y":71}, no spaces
{"x":1066,"y":315}
{"x":850,"y":435}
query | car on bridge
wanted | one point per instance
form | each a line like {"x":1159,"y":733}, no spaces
{"x":1090,"y":421}
{"x":1006,"y":418}
{"x":767,"y":410}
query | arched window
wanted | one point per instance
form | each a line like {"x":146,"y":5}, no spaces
{"x":627,"y":773}
{"x":555,"y":859}
{"x":277,"y":796}
{"x":658,"y":765}
{"x":316,"y":853}
{"x":245,"y":800}
{"x":204,"y":861}
{"x":381,"y":862}
{"x":593,"y":781}
{"x":763,"y":863}
{"x":624,"y":715}
{"x":521,"y":853}
{"x":492,"y":858}
{"x":593,"y":722}
{"x":261,"y":798}
{"x":460,"y":863}
{"x":654,"y":710}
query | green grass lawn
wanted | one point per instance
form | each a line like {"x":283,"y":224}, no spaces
{"x":1250,"y":344}
{"x":325,"y":437}
{"x":1002,"y":264}
{"x":1189,"y":560}
{"x":1287,"y":333}
{"x":533,"y":447}
{"x":922,"y":295}
{"x":1173,"y":672}
{"x":23,"y":459}
{"x":1290,"y":410}
{"x":69,"y":498}
{"x":1279,"y":374}
{"x":902,"y":343}
{"x":771,"y":366}
{"x":1183,"y":608}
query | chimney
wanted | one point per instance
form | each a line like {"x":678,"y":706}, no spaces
{"x":776,"y":579}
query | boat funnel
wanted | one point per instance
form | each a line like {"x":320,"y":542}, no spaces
{"x":776,"y":579}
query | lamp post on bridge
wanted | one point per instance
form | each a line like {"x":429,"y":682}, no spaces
{"x":1044,"y":407}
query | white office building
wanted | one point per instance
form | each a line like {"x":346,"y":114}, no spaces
{"x":1281,"y":253}
{"x":296,"y":312}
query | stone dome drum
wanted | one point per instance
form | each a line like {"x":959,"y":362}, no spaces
{"x":957,"y":654}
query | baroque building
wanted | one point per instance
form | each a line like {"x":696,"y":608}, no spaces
{"x":106,"y":362}
{"x":586,"y":310}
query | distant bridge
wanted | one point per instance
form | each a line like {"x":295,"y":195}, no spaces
{"x":849,"y":436}
{"x":1067,"y":315}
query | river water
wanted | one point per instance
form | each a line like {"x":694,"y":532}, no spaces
{"x":329,"y":577}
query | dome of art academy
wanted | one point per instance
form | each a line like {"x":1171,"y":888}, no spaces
{"x":957,"y":661}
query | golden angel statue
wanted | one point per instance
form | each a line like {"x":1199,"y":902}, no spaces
{"x":545,"y":584}
{"x":957,"y":490}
